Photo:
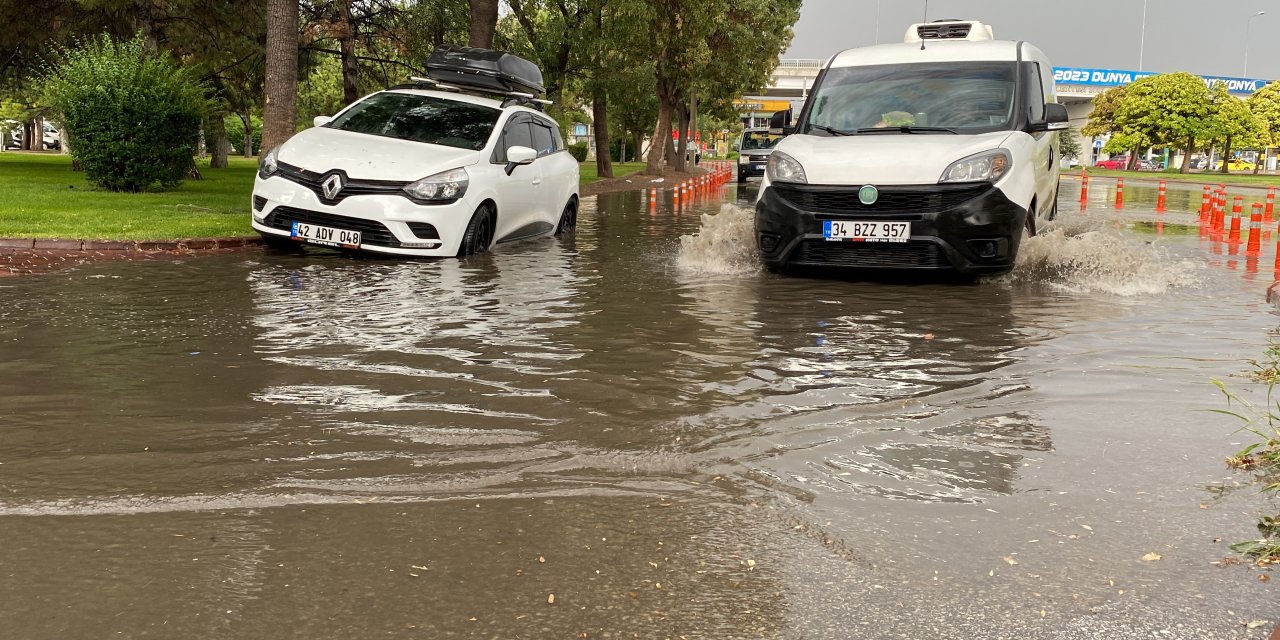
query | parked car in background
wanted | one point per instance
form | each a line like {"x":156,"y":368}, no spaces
{"x":1113,"y":163}
{"x":1150,"y":165}
{"x":1200,"y":162}
{"x":1236,"y":164}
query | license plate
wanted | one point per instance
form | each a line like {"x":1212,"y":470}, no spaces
{"x":326,"y":236}
{"x":866,"y":231}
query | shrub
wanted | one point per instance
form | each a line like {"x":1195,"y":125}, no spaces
{"x":578,"y":151}
{"x":131,"y":116}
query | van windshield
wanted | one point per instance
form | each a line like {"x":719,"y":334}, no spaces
{"x":757,"y":140}
{"x":964,"y":97}
{"x":421,"y":119}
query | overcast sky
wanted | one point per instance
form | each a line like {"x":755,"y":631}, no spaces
{"x":1205,"y":38}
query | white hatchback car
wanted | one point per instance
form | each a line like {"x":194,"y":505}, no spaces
{"x":419,"y":172}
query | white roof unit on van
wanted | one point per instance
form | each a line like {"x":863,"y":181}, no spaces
{"x":970,"y":30}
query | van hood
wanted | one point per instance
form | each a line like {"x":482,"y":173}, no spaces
{"x":369,"y":157}
{"x":884,"y":159}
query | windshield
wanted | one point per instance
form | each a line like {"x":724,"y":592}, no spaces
{"x":420,"y":119}
{"x":967,"y":97}
{"x":756,"y":140}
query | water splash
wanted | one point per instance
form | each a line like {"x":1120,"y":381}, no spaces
{"x":724,"y":245}
{"x":1090,"y":254}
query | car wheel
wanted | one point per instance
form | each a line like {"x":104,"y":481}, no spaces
{"x":568,"y":219}
{"x":281,"y":244}
{"x":479,"y":234}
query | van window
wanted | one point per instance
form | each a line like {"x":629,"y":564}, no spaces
{"x":968,"y":97}
{"x":1035,"y":95}
{"x":756,"y":140}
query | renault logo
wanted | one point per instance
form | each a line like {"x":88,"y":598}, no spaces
{"x":332,"y":186}
{"x":868,"y":195}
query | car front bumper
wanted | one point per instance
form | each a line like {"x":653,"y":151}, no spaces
{"x":389,"y":224}
{"x":970,"y":229}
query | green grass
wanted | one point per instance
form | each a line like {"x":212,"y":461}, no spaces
{"x":1244,"y":178}
{"x":43,"y":198}
{"x":587,"y":171}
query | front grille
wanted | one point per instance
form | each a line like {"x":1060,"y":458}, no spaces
{"x":371,"y":231}
{"x":934,"y":198}
{"x":352,"y":187}
{"x":917,"y":255}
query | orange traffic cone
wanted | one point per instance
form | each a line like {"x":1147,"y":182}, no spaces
{"x":1255,"y":231}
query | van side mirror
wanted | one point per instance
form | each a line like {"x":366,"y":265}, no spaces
{"x":780,"y":123}
{"x":1055,"y":118}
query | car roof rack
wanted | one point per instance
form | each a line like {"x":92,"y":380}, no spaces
{"x":511,"y":97}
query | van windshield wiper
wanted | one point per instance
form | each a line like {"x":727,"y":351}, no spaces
{"x":834,"y":132}
{"x":903,"y":129}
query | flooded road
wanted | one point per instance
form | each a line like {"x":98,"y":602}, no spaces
{"x":632,"y":434}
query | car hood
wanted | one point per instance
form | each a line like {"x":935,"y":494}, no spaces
{"x":883,"y":159}
{"x":371,"y":157}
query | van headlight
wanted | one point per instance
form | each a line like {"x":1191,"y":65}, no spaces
{"x":268,"y":164}
{"x":784,"y":168}
{"x":446,"y":185}
{"x":744,"y":159}
{"x":988,"y":166}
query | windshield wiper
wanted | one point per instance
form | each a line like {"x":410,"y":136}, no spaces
{"x":903,"y":129}
{"x":834,"y":132}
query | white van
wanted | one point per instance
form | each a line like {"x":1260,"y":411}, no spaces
{"x":939,"y":153}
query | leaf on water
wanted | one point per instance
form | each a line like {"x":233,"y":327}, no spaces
{"x":541,"y":559}
{"x":1151,"y":557}
{"x":1010,"y":560}
{"x":1262,"y":577}
{"x":551,"y":598}
{"x":1086,"y":527}
{"x":1254,"y":624}
{"x":928,"y":336}
{"x":991,"y":573}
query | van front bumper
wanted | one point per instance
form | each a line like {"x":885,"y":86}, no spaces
{"x":966,"y":228}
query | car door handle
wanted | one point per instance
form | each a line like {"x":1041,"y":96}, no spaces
{"x":537,"y":181}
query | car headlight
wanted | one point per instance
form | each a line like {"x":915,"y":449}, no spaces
{"x":784,"y":168}
{"x":268,"y":165}
{"x":446,"y":185}
{"x":988,"y":166}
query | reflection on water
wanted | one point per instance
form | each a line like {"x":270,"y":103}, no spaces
{"x":605,"y":418}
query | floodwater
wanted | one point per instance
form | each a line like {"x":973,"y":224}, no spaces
{"x":635,"y":433}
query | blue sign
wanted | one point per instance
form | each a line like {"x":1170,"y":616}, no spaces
{"x":1117,"y":78}
{"x":580,"y":130}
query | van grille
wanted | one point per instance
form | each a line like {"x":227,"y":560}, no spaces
{"x":919,"y":199}
{"x":870,"y":255}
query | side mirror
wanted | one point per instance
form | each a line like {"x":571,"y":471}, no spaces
{"x":517,"y":156}
{"x":780,"y":123}
{"x":320,"y":121}
{"x":1055,"y":118}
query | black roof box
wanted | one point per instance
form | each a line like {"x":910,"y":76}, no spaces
{"x":484,"y":70}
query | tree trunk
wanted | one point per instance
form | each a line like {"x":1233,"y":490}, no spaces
{"x":639,"y":143}
{"x":247,"y":119}
{"x":1226,"y":154}
{"x":683,"y":147}
{"x":484,"y":19}
{"x":661,"y":133}
{"x":600,"y":118}
{"x":1133,"y":158}
{"x":221,"y":147}
{"x":280,"y":109}
{"x":29,"y":136}
{"x":1186,"y":155}
{"x":347,"y":44}
{"x":202,"y":147}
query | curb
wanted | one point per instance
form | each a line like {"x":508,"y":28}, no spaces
{"x":25,"y":245}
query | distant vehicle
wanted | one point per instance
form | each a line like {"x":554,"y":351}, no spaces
{"x":1200,"y":162}
{"x":444,"y":166}
{"x":1236,"y":164}
{"x":1113,"y":163}
{"x":754,"y":150}
{"x":11,"y":135}
{"x":928,"y":155}
{"x":1150,"y":165}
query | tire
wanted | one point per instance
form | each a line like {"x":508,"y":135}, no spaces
{"x":280,"y":243}
{"x":479,"y":234}
{"x":742,"y":177}
{"x":568,"y":219}
{"x":1031,"y":222}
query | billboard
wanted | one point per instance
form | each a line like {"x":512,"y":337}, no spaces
{"x":1117,"y":77}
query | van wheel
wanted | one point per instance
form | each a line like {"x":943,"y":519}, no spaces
{"x":568,"y":219}
{"x":479,"y":234}
{"x":742,"y":177}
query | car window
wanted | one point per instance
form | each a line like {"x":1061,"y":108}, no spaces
{"x":516,"y":134}
{"x":543,"y":139}
{"x":1035,"y":95}
{"x":421,"y":119}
